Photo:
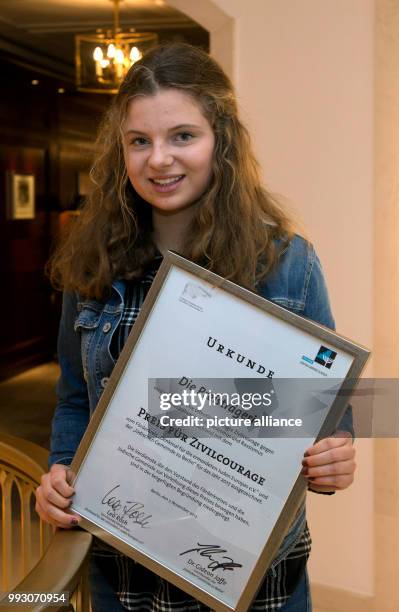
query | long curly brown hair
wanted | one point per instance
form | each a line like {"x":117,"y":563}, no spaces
{"x":234,"y":230}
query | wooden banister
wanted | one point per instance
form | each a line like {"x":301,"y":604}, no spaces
{"x":62,"y":559}
{"x":64,"y":567}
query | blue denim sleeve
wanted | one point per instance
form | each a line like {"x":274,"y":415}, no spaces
{"x":317,"y":308}
{"x":72,"y":412}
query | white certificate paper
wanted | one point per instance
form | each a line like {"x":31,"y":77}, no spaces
{"x":201,"y":510}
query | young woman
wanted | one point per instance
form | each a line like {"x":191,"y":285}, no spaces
{"x":174,"y":170}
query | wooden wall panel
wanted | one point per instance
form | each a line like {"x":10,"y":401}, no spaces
{"x":51,"y":136}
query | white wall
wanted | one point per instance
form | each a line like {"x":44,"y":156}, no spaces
{"x":303,"y":70}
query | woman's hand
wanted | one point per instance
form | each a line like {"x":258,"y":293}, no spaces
{"x":329,"y":464}
{"x":53,"y":497}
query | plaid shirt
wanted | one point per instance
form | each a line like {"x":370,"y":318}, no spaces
{"x":141,"y":590}
{"x":136,"y":292}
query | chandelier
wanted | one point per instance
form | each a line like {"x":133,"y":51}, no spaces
{"x":103,"y":59}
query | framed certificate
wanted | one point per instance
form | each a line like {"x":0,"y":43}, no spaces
{"x":203,"y":493}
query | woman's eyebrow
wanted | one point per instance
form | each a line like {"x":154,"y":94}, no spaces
{"x":182,"y":126}
{"x":186,"y":126}
{"x":133,"y":131}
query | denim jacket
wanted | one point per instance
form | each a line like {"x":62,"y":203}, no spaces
{"x":86,"y":328}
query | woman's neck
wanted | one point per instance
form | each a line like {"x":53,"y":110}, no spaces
{"x":170,"y":228}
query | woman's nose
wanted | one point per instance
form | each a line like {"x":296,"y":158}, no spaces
{"x":160,"y":156}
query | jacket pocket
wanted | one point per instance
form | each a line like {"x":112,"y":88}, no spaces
{"x":295,"y":306}
{"x":86,"y":324}
{"x":88,"y":317}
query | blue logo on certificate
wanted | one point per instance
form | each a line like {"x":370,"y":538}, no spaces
{"x":325,"y":357}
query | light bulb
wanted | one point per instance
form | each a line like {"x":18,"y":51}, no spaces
{"x":104,"y":63}
{"x":111,"y":51}
{"x":119,"y":56}
{"x":135,"y":54}
{"x":98,"y":54}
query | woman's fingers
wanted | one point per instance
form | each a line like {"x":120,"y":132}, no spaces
{"x":329,"y":450}
{"x":52,"y":521}
{"x":339,"y":482}
{"x":54,"y":515}
{"x":342,"y":439}
{"x":60,"y":477}
{"x":55,"y":488}
{"x":339,"y":468}
{"x":321,"y":488}
{"x":59,"y":517}
{"x":329,"y":464}
{"x":53,"y":497}
{"x":332,"y":455}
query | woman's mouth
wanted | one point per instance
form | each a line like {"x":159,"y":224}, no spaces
{"x":167,"y":183}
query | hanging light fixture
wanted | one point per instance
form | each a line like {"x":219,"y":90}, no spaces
{"x":103,"y":59}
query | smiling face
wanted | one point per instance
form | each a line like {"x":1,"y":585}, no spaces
{"x":168,"y":149}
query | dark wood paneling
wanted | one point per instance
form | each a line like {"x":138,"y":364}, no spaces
{"x":51,"y":136}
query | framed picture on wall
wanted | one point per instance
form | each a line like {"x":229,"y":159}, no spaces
{"x":20,"y":196}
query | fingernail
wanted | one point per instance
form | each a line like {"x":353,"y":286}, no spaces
{"x":304,"y":462}
{"x":304,"y":471}
{"x":74,"y":521}
{"x":306,"y":454}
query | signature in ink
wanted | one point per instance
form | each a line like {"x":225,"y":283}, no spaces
{"x":125,"y":510}
{"x":210,"y":552}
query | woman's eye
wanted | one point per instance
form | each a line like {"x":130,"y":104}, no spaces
{"x":139,"y":141}
{"x":184,"y":137}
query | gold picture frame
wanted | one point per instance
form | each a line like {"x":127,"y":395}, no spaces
{"x":20,"y":196}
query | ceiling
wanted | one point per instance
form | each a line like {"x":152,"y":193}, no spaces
{"x":39,"y":34}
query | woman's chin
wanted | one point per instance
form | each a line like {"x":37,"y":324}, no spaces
{"x":167,"y":208}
